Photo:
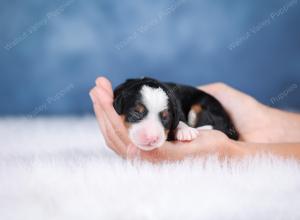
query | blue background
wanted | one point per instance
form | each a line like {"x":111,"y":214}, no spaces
{"x":55,"y":49}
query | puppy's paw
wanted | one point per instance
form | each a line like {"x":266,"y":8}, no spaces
{"x":185,"y":133}
{"x":205,"y":127}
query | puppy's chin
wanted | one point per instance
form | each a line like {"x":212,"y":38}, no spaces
{"x":134,"y":136}
{"x":149,"y":147}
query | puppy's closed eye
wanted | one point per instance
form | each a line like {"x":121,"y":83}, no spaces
{"x":165,"y":117}
{"x":137,"y":113}
{"x":139,"y":108}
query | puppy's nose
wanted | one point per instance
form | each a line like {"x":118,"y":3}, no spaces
{"x":152,"y":139}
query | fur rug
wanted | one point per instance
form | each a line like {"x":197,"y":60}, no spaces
{"x":60,"y":168}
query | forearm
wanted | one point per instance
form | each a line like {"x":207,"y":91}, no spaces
{"x":286,"y":150}
{"x":284,"y":126}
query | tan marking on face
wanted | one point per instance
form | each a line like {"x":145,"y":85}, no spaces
{"x":127,"y":125}
{"x":139,"y":108}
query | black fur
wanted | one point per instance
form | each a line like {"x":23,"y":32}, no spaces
{"x":181,"y":98}
{"x":212,"y":112}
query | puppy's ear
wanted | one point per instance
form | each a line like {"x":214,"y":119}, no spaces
{"x":119,"y":103}
{"x":119,"y":99}
{"x":177,"y":113}
{"x":120,"y":94}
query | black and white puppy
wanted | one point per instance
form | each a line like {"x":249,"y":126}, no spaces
{"x":155,"y":112}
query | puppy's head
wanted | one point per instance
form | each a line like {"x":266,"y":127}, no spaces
{"x":150,"y":111}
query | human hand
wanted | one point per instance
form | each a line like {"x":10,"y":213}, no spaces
{"x":115,"y":134}
{"x":254,"y":121}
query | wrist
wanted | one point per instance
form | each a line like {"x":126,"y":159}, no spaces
{"x":233,"y":149}
{"x":237,"y":149}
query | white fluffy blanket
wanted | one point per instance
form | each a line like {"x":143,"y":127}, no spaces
{"x":60,"y":168}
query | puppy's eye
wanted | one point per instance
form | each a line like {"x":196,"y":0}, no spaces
{"x":139,"y":108}
{"x":137,"y":113}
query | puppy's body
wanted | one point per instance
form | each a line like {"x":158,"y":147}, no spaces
{"x":200,"y":109}
{"x":155,"y":112}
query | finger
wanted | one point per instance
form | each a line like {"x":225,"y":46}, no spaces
{"x":214,"y":88}
{"x":115,"y":131}
{"x":103,"y":96}
{"x":102,"y":122}
{"x":93,"y":95}
{"x":116,"y":143}
{"x":108,"y":134}
{"x":112,"y":140}
{"x":170,"y":151}
{"x":105,"y":84}
{"x":115,"y":120}
{"x":224,"y":92}
{"x":100,"y":119}
{"x":132,"y":152}
{"x":98,"y":112}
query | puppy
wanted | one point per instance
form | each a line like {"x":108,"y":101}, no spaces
{"x":155,"y":112}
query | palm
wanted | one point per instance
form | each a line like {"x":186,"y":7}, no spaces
{"x":248,"y":115}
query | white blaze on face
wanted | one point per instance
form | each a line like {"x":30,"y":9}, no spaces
{"x":149,"y":133}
